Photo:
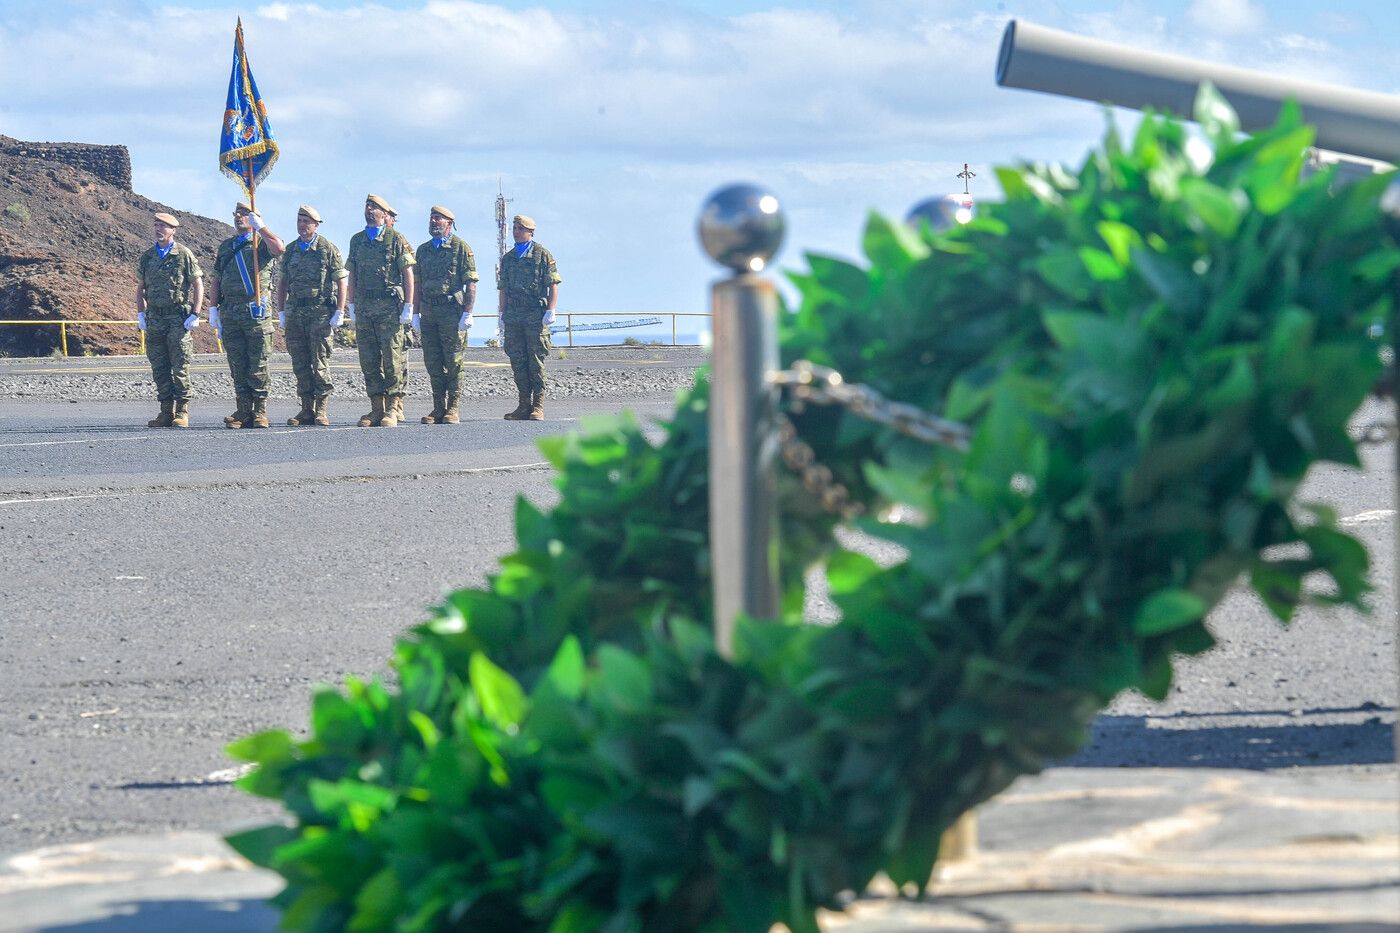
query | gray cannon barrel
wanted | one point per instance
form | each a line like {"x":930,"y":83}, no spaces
{"x":1363,"y":123}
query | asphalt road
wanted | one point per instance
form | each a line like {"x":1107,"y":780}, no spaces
{"x":165,"y":592}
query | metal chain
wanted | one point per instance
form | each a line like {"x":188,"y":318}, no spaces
{"x":816,"y":477}
{"x":821,"y":385}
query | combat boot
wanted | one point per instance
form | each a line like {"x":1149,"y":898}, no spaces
{"x":376,"y":409}
{"x":396,"y":409}
{"x":319,"y":410}
{"x":522,"y":409}
{"x":259,"y":414}
{"x":439,"y":409}
{"x":387,"y":417}
{"x":536,"y":412}
{"x":167,"y":412}
{"x":306,"y":415}
{"x":181,"y":418}
{"x":449,"y":411}
{"x":242,"y":414}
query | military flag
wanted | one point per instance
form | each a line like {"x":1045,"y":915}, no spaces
{"x":247,"y":149}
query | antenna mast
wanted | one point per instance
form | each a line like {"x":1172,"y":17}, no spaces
{"x":501,"y":202}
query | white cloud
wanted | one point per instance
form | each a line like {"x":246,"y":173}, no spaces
{"x":1226,"y":17}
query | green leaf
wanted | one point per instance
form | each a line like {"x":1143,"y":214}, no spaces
{"x":1168,"y":610}
{"x":260,"y":845}
{"x":566,"y":672}
{"x":1215,"y":115}
{"x":623,"y":683}
{"x":502,"y":701}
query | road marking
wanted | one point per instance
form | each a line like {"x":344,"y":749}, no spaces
{"x":91,"y":440}
{"x":167,"y":490}
{"x":1363,"y":518}
{"x":96,"y":495}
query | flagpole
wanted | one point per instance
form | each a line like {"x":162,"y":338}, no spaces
{"x":253,"y":209}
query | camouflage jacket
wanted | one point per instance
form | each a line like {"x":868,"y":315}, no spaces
{"x":232,"y":291}
{"x":526,"y":279}
{"x":443,"y":272}
{"x":378,"y":265}
{"x":312,"y":274}
{"x":168,"y":283}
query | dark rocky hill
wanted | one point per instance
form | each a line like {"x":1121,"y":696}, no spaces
{"x":70,"y":235}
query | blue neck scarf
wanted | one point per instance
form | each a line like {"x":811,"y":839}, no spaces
{"x":165,"y":250}
{"x":522,"y":248}
{"x":373,"y":233}
{"x":307,"y":244}
{"x":440,"y":241}
{"x":245,"y":237}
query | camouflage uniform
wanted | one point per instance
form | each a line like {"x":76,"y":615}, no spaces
{"x":526,"y":281}
{"x":444,"y":274}
{"x":379,"y":298}
{"x":311,"y":274}
{"x":169,"y":285}
{"x":247,"y":342}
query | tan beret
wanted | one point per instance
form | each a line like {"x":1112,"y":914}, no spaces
{"x":380,"y":203}
{"x":311,"y":213}
{"x":170,"y":220}
{"x":438,"y":209}
{"x":527,"y":222}
{"x":242,"y":208}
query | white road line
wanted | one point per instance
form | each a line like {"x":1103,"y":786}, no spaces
{"x":1362,"y":518}
{"x":21,"y":502}
{"x":470,"y":471}
{"x":91,"y":440}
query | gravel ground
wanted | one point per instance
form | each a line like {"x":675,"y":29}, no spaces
{"x":582,"y":373}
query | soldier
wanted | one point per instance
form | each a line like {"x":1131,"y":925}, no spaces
{"x":310,"y":304}
{"x":380,"y":262}
{"x":443,"y":313}
{"x":529,"y":291}
{"x":242,"y":322}
{"x":169,"y":293}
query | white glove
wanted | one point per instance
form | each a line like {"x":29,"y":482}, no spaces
{"x":407,"y":314}
{"x":192,"y":322}
{"x":141,"y":321}
{"x":548,"y":317}
{"x":350,"y":310}
{"x":214,"y":316}
{"x":338,"y":318}
{"x":465,"y":321}
{"x":256,"y":222}
{"x":417,"y":322}
{"x":282,"y":319}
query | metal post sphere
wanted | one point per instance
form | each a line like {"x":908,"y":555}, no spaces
{"x":741,"y":227}
{"x":942,"y":213}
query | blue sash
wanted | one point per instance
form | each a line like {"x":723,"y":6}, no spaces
{"x":255,"y":307}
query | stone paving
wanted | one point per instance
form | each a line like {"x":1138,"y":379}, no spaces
{"x":1069,"y":850}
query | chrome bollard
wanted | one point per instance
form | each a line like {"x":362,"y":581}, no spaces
{"x":741,"y":228}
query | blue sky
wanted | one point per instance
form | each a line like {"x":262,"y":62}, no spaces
{"x":610,"y":121}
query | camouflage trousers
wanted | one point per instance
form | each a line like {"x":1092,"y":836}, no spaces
{"x":309,"y":345}
{"x":379,"y":337}
{"x":527,"y":345}
{"x":247,"y":344}
{"x":442,"y":347}
{"x":169,"y":348}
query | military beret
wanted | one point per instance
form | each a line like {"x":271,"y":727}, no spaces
{"x":527,"y":222}
{"x":310,"y":212}
{"x":437,"y":209}
{"x":170,"y":220}
{"x":380,"y":203}
{"x":242,"y":208}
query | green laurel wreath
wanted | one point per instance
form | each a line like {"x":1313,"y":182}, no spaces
{"x":1151,"y":352}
